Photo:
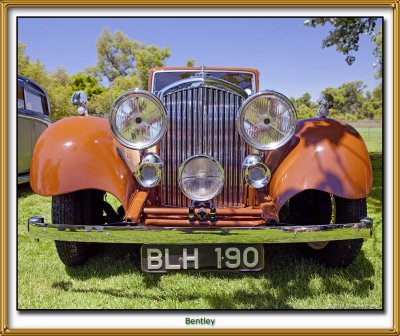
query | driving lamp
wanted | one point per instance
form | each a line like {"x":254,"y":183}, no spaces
{"x":201,"y":177}
{"x":256,"y":173}
{"x":138,"y":119}
{"x":267,"y":120}
{"x":148,"y":173}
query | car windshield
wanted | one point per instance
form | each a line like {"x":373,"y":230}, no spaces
{"x":242,"y":79}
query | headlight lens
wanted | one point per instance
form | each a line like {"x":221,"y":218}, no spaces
{"x":138,"y":119}
{"x":267,"y":120}
{"x":201,"y":178}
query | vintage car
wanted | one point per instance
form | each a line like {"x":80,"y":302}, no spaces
{"x":207,"y":169}
{"x":33,"y":110}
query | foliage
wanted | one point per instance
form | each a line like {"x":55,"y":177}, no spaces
{"x":119,"y":56}
{"x":101,"y":104}
{"x":190,"y":62}
{"x":304,"y":106}
{"x":59,"y":91}
{"x":32,"y":70}
{"x":351,"y":102}
{"x":345,"y":35}
{"x":148,"y":57}
{"x":57,"y":85}
{"x":115,"y":55}
{"x":86,"y":83}
{"x":378,"y":53}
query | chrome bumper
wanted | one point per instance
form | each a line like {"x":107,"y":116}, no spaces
{"x":123,"y":233}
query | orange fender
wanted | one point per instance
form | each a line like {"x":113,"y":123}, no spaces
{"x":79,"y":153}
{"x":324,"y":154}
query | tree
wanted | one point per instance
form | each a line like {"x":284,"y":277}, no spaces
{"x":348,"y":100}
{"x":377,"y":39}
{"x":86,"y":83}
{"x":190,"y":62}
{"x":32,"y":70}
{"x":115,"y":55}
{"x":118,"y":55}
{"x":59,"y":90}
{"x":304,"y":106}
{"x":346,"y":32}
{"x":101,"y":103}
{"x":148,"y":57}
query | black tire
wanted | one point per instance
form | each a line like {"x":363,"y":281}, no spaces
{"x":78,"y":208}
{"x":314,"y":207}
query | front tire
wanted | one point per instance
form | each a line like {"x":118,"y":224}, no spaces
{"x":77,"y":208}
{"x":314,"y":207}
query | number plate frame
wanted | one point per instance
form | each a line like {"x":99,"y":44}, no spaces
{"x":210,"y":257}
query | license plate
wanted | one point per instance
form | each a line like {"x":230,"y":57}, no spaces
{"x":159,"y":258}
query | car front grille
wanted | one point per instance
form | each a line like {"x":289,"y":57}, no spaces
{"x":202,"y":120}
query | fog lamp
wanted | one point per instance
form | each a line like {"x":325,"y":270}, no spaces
{"x":201,"y":178}
{"x":256,"y":173}
{"x":148,"y":173}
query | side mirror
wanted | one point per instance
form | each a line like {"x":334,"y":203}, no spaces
{"x":80,"y":99}
{"x":325,"y":102}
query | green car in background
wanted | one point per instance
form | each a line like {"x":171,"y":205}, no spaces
{"x":33,"y":118}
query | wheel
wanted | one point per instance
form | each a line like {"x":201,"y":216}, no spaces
{"x":313,"y":207}
{"x":79,"y":208}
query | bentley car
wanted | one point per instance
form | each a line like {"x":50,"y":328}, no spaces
{"x":206,"y":169}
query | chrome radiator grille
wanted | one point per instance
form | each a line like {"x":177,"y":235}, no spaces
{"x":202,"y":121}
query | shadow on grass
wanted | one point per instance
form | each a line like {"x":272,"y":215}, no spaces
{"x":24,"y":190}
{"x":286,"y":276}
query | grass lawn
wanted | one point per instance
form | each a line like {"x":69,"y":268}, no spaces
{"x":371,"y":131}
{"x":113,"y":280}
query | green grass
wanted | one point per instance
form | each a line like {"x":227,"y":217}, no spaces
{"x":371,"y":131}
{"x":372,"y":137}
{"x":113,"y":280}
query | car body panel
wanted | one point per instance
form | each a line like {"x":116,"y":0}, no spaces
{"x":324,"y":154}
{"x":78,"y":153}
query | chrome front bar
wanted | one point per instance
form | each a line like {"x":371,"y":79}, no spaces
{"x":124,"y":233}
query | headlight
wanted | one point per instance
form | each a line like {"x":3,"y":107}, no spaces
{"x":256,"y":173}
{"x":201,"y":178}
{"x":138,"y":119}
{"x":148,"y":173}
{"x":267,"y":120}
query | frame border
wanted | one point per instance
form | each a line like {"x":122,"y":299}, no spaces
{"x":6,"y":5}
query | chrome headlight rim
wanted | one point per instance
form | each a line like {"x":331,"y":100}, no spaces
{"x":260,"y":183}
{"x":249,"y":140}
{"x":148,"y":183}
{"x":213,"y":160}
{"x":252,"y":162}
{"x":113,"y":113}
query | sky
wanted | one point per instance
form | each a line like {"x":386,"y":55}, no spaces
{"x":287,"y":53}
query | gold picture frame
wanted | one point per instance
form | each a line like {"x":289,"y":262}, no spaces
{"x":7,"y":177}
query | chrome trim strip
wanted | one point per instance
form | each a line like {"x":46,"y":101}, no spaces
{"x":123,"y":233}
{"x":202,"y":82}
